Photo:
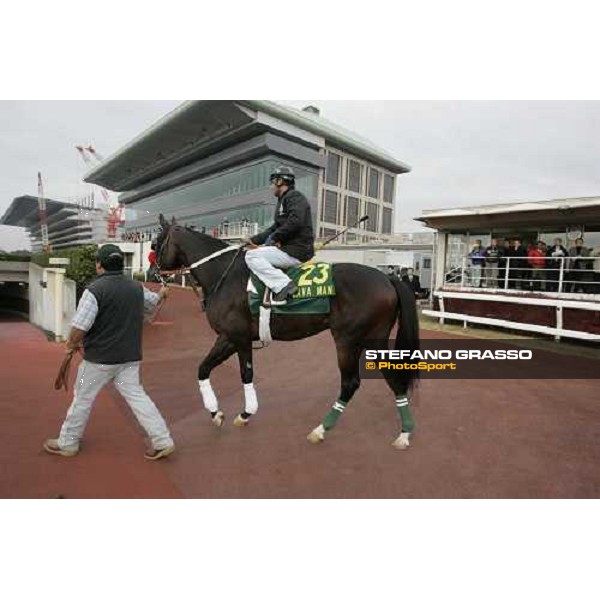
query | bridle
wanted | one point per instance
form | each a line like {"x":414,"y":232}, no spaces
{"x":198,"y":263}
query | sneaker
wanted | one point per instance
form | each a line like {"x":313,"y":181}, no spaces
{"x":52,"y":447}
{"x":287,"y":292}
{"x":155,"y":454}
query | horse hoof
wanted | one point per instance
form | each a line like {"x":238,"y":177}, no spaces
{"x":402,"y":442}
{"x":239,"y":421}
{"x":219,"y":419}
{"x":317,"y":435}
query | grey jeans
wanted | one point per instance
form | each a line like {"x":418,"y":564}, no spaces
{"x":91,"y":378}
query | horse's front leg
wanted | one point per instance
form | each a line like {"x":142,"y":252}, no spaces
{"x":244,"y":351}
{"x":219,"y":353}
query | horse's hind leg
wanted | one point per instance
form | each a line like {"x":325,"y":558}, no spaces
{"x":401,"y":389}
{"x":219,"y":353}
{"x":244,"y":351}
{"x":348,"y":362}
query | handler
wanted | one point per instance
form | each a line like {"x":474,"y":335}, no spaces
{"x":288,"y":242}
{"x":108,"y":324}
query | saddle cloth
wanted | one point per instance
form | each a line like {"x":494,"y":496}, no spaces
{"x":315,"y":287}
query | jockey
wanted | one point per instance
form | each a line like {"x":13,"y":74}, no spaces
{"x":288,"y":242}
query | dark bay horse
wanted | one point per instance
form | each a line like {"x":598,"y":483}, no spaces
{"x":366,"y":306}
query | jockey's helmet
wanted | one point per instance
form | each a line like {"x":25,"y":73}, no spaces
{"x":284,"y":173}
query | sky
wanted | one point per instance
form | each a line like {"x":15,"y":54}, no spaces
{"x":461,"y":152}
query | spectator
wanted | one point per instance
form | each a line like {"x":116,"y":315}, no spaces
{"x":517,"y":266}
{"x":413,"y":282}
{"x":505,"y":251}
{"x":537,"y":262}
{"x":557,"y":254}
{"x":579,"y":269}
{"x":225,"y":226}
{"x":492,"y":259}
{"x":477,"y":259}
{"x":595,"y":288}
{"x":153,"y":269}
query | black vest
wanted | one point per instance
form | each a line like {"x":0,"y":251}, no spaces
{"x":116,"y":335}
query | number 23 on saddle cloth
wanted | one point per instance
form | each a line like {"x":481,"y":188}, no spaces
{"x":315,"y":286}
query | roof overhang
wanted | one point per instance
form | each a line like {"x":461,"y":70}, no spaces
{"x":524,"y":215}
{"x":24,"y":211}
{"x":199,"y":128}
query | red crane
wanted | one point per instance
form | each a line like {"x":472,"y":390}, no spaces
{"x":115,"y":216}
{"x":43,"y":214}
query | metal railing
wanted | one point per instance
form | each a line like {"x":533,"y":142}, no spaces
{"x":237,"y":230}
{"x":563,"y":275}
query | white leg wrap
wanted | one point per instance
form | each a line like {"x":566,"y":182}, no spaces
{"x":402,"y":442}
{"x":208,"y":395}
{"x":317,"y":435}
{"x":264,"y":325}
{"x":251,"y":399}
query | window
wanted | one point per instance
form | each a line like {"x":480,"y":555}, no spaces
{"x":388,"y":188}
{"x":372,"y":211}
{"x":332,"y":173}
{"x":354,"y":176}
{"x":373,"y":190}
{"x":426,"y":263}
{"x":352,"y":208}
{"x":330,"y":207}
{"x":457,"y":249}
{"x":386,"y":220}
{"x":202,"y":194}
{"x":236,"y":182}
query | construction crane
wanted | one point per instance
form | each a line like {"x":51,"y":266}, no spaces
{"x":43,"y":214}
{"x":115,"y":215}
{"x":83,"y":152}
{"x":94,"y":153}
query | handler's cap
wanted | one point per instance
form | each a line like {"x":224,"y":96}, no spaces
{"x":110,"y":257}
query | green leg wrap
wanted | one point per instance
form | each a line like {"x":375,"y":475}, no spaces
{"x":333,"y":415}
{"x":408,"y":422}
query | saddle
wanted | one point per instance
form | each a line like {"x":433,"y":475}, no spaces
{"x":315,"y":286}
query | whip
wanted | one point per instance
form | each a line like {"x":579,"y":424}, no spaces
{"x":321,"y":245}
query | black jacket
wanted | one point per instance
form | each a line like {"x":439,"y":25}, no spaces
{"x":116,"y":335}
{"x":415,"y":284}
{"x":493,"y":254}
{"x":292,"y":227}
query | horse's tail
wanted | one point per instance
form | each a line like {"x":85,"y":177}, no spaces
{"x":407,"y":336}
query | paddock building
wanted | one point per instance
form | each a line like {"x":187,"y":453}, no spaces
{"x":565,"y":302}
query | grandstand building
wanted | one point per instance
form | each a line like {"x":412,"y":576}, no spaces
{"x":69,"y":225}
{"x":208,"y":163}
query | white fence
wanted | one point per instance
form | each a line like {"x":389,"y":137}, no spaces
{"x":52,"y":301}
{"x":558,"y":304}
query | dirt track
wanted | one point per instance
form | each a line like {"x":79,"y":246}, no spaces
{"x":475,"y":439}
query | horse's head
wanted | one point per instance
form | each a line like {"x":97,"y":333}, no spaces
{"x":168,"y":252}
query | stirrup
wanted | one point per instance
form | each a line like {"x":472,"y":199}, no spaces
{"x":273,"y":302}
{"x":267,"y":297}
{"x":268,"y":301}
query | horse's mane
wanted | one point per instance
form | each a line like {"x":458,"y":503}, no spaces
{"x":213,"y":241}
